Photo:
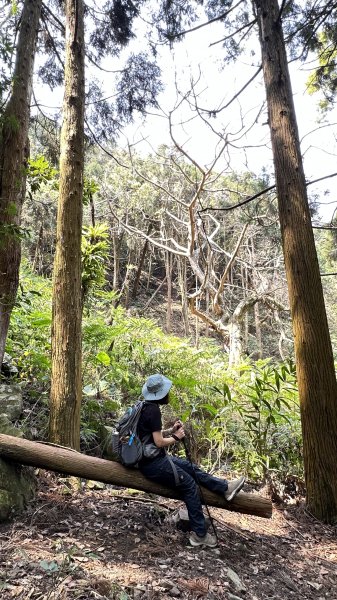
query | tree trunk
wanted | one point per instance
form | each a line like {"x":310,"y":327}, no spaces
{"x":236,"y":340}
{"x":14,"y":152}
{"x":38,"y":254}
{"x":314,"y":358}
{"x":258,"y":333}
{"x":88,"y":467}
{"x":116,"y":258}
{"x":141,"y":265}
{"x":66,"y":385}
{"x":125,"y":289}
{"x":183,"y":287}
{"x":236,"y":325}
{"x":168,"y":268}
{"x":92,"y":210}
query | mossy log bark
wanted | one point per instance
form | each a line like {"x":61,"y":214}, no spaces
{"x":74,"y":463}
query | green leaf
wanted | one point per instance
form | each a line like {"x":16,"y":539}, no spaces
{"x":213,"y":411}
{"x":227,"y":391}
{"x":266,"y":403}
{"x":103,"y":358}
{"x":277,"y":381}
{"x":43,"y":321}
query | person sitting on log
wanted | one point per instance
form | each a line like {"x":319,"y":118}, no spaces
{"x":175,"y":472}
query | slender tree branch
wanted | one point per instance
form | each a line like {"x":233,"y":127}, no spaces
{"x":180,"y":148}
{"x":154,"y":183}
{"x":321,"y":179}
{"x":326,"y":227}
{"x":218,"y":110}
{"x":55,"y":18}
{"x":268,"y":189}
{"x":51,"y":39}
{"x":246,"y":201}
{"x":219,"y":18}
{"x":217,"y":304}
{"x":218,"y":326}
{"x":104,"y":149}
{"x":134,"y":230}
{"x":279,"y":16}
{"x":228,"y":37}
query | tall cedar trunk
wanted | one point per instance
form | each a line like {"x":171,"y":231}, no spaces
{"x":65,"y":399}
{"x":314,"y":358}
{"x":14,"y":151}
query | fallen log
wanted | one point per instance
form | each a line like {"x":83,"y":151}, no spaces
{"x":69,"y":461}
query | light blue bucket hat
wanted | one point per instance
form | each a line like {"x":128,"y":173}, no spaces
{"x":156,"y":387}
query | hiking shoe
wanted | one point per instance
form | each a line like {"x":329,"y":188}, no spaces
{"x":234,"y":487}
{"x":205,"y":540}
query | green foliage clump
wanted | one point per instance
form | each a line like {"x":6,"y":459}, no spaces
{"x":323,"y":78}
{"x":39,"y":173}
{"x":29,"y":335}
{"x":245,"y":418}
{"x":95,"y":252}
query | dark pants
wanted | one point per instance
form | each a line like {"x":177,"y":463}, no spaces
{"x":160,"y":470}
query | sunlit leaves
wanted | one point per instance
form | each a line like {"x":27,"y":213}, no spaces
{"x":39,"y":172}
{"x":324,"y":77}
{"x":95,"y":250}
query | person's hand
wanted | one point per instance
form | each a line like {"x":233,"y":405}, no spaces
{"x":176,"y":425}
{"x":180,"y":433}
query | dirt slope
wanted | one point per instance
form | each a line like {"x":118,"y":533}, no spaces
{"x":111,"y":544}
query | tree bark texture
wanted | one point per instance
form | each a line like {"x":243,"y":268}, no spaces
{"x":74,"y":463}
{"x":14,"y":152}
{"x":65,"y":399}
{"x":314,"y":358}
{"x":236,"y":326}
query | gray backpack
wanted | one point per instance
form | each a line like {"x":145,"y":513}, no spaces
{"x":126,"y":444}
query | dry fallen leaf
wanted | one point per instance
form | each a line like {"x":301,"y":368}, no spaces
{"x":199,"y":585}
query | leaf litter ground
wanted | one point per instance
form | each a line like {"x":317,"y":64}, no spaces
{"x":114,"y":544}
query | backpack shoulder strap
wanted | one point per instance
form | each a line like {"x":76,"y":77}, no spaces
{"x":175,"y":472}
